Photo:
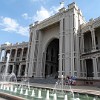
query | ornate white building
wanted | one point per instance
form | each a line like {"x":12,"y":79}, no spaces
{"x":17,"y":61}
{"x":62,"y":44}
{"x":54,"y":44}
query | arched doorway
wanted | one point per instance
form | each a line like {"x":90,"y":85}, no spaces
{"x":89,"y":66}
{"x":51,"y":63}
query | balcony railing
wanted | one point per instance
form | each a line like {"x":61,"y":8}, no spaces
{"x":87,"y":50}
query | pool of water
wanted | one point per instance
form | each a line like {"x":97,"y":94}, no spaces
{"x":41,"y":94}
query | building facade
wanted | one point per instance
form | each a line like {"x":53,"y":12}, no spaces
{"x":17,"y":59}
{"x":89,"y":37}
{"x":54,"y":44}
{"x":63,"y":44}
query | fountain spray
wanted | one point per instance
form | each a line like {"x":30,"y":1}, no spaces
{"x":33,"y":93}
{"x":7,"y":64}
{"x":47,"y":95}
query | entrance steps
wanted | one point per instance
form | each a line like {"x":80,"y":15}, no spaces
{"x":48,"y":80}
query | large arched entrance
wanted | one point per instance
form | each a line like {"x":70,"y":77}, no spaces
{"x":51,"y":64}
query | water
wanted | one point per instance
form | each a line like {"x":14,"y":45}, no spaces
{"x":7,"y":64}
{"x":25,"y":82}
{"x":59,"y":85}
{"x":66,"y":97}
{"x":47,"y":95}
{"x":24,"y":90}
{"x":6,"y":77}
{"x":42,"y":94}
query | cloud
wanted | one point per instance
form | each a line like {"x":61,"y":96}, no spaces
{"x":8,"y":43}
{"x":26,"y":16}
{"x":42,"y":14}
{"x":56,"y":9}
{"x":11,"y":25}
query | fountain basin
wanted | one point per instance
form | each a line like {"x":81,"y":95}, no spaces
{"x":44,"y":93}
{"x":10,"y":97}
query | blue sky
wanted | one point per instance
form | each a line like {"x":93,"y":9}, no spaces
{"x":17,"y":15}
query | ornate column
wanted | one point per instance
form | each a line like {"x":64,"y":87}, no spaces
{"x":15,"y":55}
{"x":93,"y":39}
{"x":21,"y":56}
{"x":82,"y":61}
{"x":4,"y":59}
{"x":95,"y":67}
{"x":84,"y":68}
{"x":10,"y":54}
{"x":43,"y":63}
{"x":81,"y":72}
{"x":19,"y":70}
{"x":82,"y":42}
{"x":32,"y":46}
{"x":60,"y":47}
{"x":27,"y":61}
{"x":13,"y":68}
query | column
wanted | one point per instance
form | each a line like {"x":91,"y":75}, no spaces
{"x":31,"y":53}
{"x":13,"y":68}
{"x":21,"y":56}
{"x":4,"y":58}
{"x":19,"y":70}
{"x":95,"y":67}
{"x":39,"y":55}
{"x":93,"y":39}
{"x":60,"y":47}
{"x":82,"y":42}
{"x":43,"y":63}
{"x":83,"y":69}
{"x":27,"y":60}
{"x":10,"y":54}
{"x":15,"y":55}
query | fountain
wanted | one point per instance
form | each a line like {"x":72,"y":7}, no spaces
{"x":33,"y":93}
{"x":55,"y":97}
{"x":47,"y":95}
{"x":39,"y":94}
{"x":6,"y":78}
{"x":7,"y":88}
{"x":6,"y":69}
{"x":26,"y":92}
{"x":15,"y":90}
{"x":10,"y":86}
{"x":25,"y":82}
{"x":59,"y":85}
{"x":66,"y":97}
{"x":21,"y":91}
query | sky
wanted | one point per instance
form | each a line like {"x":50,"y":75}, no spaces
{"x":17,"y":15}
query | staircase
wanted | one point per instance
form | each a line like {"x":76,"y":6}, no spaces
{"x":48,"y":80}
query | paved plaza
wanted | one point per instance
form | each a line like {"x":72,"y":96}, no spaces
{"x":79,"y":89}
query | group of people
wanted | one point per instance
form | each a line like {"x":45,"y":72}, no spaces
{"x":70,"y":80}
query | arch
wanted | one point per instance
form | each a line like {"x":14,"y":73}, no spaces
{"x":51,"y":60}
{"x":89,"y":67}
{"x":49,"y":41}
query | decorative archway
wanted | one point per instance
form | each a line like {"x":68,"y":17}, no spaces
{"x":89,"y":67}
{"x":51,"y":62}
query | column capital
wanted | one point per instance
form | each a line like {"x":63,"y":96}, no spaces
{"x":92,"y":29}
